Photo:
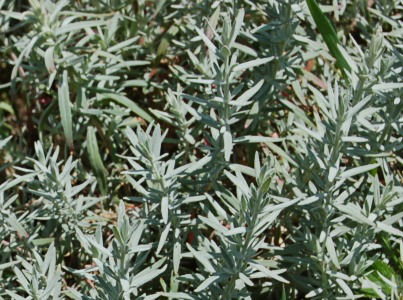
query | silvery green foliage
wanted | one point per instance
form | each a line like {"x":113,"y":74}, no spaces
{"x":230,"y":257}
{"x":39,"y":278}
{"x":199,"y":150}
{"x":122,"y":266}
{"x":163,"y":197}
{"x":350,"y":207}
{"x":59,"y":200}
{"x":58,"y":208}
{"x":12,"y":231}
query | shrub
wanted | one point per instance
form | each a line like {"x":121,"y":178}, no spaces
{"x":201,"y":149}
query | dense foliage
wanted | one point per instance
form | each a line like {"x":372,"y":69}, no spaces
{"x":226,"y":149}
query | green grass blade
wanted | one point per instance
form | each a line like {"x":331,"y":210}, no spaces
{"x":96,"y":160}
{"x":328,"y":33}
{"x":283,"y":294}
{"x":65,"y":110}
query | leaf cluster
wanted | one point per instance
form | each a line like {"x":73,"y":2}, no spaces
{"x":200,"y":149}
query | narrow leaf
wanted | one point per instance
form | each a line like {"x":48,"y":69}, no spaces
{"x":129,"y":104}
{"x":163,"y":237}
{"x":252,"y":63}
{"x":96,"y":160}
{"x":328,"y":33}
{"x":49,"y":60}
{"x":332,"y":252}
{"x":65,"y":110}
{"x":237,"y":26}
{"x":243,"y":99}
{"x":358,"y":170}
{"x":206,"y":283}
{"x":227,"y":145}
